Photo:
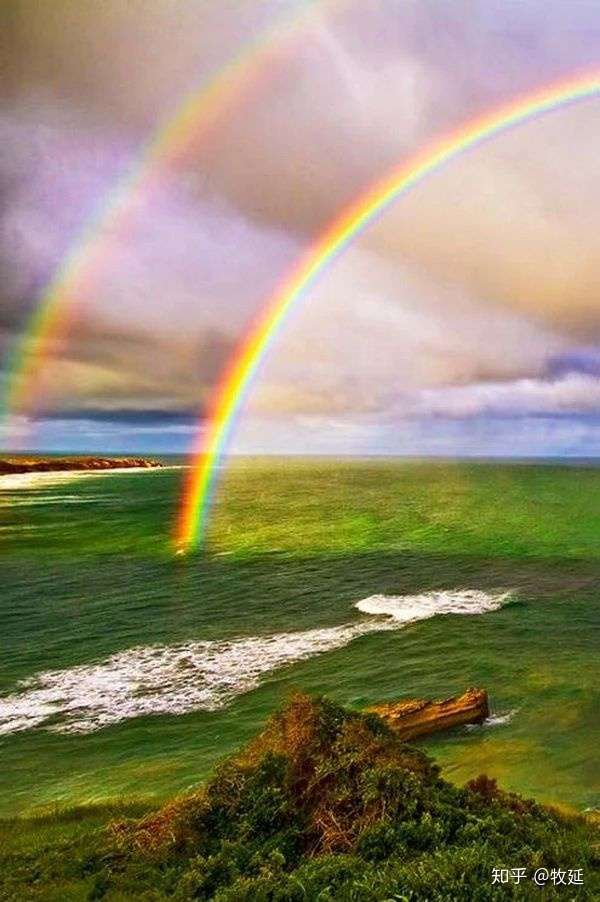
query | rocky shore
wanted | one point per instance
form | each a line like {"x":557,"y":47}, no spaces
{"x":420,"y":717}
{"x":60,"y":464}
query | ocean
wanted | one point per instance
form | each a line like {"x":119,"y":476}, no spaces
{"x":128,"y":671}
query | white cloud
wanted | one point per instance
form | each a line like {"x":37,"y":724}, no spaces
{"x":574,"y":393}
{"x":372,"y":331}
{"x":483,"y":436}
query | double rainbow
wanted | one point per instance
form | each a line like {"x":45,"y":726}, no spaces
{"x":215,"y":430}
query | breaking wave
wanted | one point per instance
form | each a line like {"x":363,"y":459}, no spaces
{"x":18,"y":481}
{"x":203,"y":675}
{"x":409,"y":608}
{"x":499,"y":719}
{"x":12,"y":481}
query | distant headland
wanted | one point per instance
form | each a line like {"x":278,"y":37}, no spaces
{"x":60,"y":464}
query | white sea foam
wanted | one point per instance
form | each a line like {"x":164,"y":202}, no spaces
{"x":12,"y":481}
{"x":168,"y":679}
{"x":21,"y":481}
{"x":499,"y":719}
{"x":38,"y":499}
{"x":202,"y":675}
{"x":409,"y":608}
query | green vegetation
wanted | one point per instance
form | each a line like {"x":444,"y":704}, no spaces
{"x":324,"y":804}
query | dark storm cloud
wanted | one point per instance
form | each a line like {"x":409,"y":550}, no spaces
{"x":163,"y":418}
{"x":107,"y":372}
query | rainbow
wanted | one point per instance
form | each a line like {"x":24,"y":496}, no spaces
{"x":199,"y":111}
{"x":216,"y":429}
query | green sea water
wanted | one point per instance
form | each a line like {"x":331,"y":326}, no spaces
{"x":128,"y":671}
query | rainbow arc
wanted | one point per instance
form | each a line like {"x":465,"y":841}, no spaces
{"x":216,"y":429}
{"x":194,"y":118}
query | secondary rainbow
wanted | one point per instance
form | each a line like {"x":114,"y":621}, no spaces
{"x":216,"y":428}
{"x":195,"y":114}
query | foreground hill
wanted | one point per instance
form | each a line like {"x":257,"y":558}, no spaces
{"x":324,"y":804}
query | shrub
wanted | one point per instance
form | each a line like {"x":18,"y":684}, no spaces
{"x":324,"y":804}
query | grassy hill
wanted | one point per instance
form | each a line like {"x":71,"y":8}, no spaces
{"x":325,"y":804}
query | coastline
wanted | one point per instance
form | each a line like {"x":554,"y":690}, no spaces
{"x":10,"y":466}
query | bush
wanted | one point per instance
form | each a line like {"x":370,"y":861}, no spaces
{"x":324,"y":804}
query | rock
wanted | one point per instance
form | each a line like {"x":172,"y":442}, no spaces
{"x":420,"y":717}
{"x":59,"y":464}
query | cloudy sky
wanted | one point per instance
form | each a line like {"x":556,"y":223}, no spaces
{"x":465,"y":321}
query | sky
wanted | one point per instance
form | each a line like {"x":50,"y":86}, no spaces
{"x":466,"y":321}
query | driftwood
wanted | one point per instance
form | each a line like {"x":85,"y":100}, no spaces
{"x":419,"y":717}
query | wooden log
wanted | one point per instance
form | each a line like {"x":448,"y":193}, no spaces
{"x":420,"y":717}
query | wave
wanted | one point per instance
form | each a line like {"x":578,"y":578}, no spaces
{"x":498,"y":719}
{"x":57,"y":477}
{"x":202,"y":675}
{"x":19,"y":481}
{"x":36,"y":500}
{"x":410,"y":608}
